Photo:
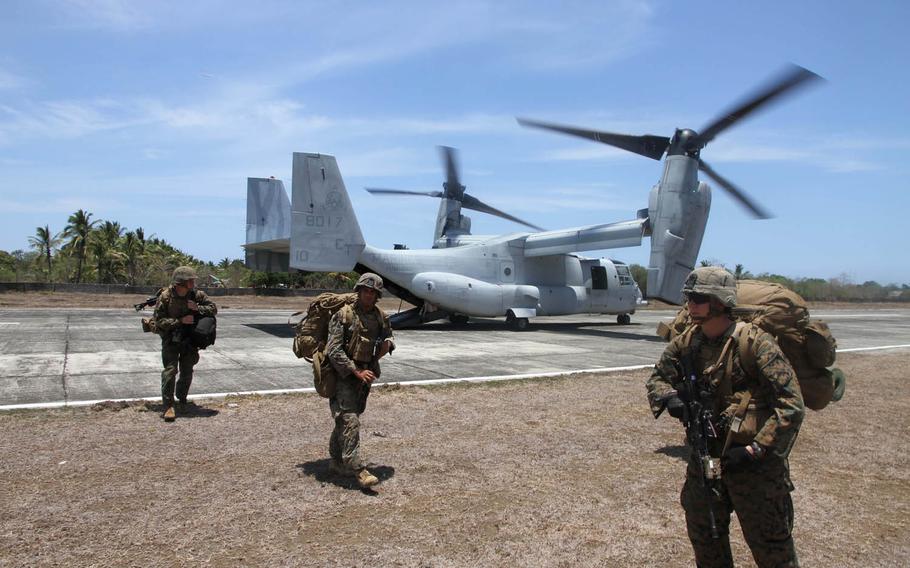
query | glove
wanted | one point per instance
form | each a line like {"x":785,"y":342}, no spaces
{"x":739,"y":458}
{"x":675,"y":407}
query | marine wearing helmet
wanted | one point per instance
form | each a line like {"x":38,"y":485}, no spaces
{"x":711,"y":281}
{"x":370,"y":280}
{"x":183,"y":273}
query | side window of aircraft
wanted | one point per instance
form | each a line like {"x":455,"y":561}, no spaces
{"x":598,"y":278}
{"x":625,"y":277}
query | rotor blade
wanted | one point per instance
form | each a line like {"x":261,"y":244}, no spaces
{"x":786,"y":83}
{"x":380,"y":191}
{"x":647,"y":145}
{"x":734,"y":192}
{"x":470,"y":202}
{"x":453,"y":186}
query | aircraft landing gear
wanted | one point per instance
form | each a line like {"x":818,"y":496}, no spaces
{"x":517,"y":324}
{"x":458,"y":319}
{"x":520,"y":324}
{"x":623,"y":319}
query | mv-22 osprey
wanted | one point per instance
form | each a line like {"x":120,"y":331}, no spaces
{"x":519,"y":275}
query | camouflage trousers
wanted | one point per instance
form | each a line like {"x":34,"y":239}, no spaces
{"x":347,"y":405}
{"x":760,"y":496}
{"x":176,"y":357}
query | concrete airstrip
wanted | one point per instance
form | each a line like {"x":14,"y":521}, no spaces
{"x":59,"y":357}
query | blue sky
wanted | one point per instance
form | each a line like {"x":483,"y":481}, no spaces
{"x":153,"y":114}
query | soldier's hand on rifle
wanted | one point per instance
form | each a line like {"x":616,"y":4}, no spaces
{"x":365,"y":375}
{"x":740,"y":457}
{"x":675,"y":407}
{"x":193,"y":306}
{"x":187,"y":319}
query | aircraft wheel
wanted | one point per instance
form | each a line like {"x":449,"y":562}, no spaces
{"x":459,"y":319}
{"x":623,"y":319}
{"x":520,"y":324}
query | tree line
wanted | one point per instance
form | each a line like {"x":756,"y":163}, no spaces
{"x":104,"y":252}
{"x":838,"y":289}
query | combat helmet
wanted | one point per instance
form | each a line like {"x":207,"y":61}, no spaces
{"x":183,"y":273}
{"x":713,"y":281}
{"x":370,"y":280}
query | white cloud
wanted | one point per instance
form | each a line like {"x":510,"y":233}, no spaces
{"x":10,"y":81}
{"x":821,"y":154}
{"x":62,"y":119}
{"x":595,"y":197}
{"x":119,"y":15}
{"x":584,"y":35}
{"x":60,"y":205}
{"x":593,"y":151}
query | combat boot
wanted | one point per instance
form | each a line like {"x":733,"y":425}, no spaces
{"x":366,"y":479}
{"x":169,"y":414}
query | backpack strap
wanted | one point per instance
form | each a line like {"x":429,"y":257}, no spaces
{"x":347,"y":315}
{"x":686,"y":340}
{"x":736,"y":419}
{"x":349,"y":324}
{"x":745,"y":334}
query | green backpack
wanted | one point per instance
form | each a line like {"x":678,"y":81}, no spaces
{"x":311,"y":334}
{"x":808,"y":343}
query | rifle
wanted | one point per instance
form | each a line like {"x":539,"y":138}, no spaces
{"x":149,"y":302}
{"x":699,"y":423}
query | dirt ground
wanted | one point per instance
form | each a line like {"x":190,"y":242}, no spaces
{"x":557,"y":472}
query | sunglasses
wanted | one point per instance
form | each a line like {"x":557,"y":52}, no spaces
{"x":698,"y":298}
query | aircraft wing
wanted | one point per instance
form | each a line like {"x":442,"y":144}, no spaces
{"x":592,"y":237}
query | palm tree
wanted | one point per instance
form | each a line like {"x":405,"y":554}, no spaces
{"x":45,"y":243}
{"x":103,"y":246}
{"x":78,"y":229}
{"x":133,"y":249}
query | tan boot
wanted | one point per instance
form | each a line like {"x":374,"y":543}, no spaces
{"x":366,"y":479}
{"x":169,"y":414}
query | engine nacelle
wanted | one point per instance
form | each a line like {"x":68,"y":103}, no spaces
{"x":677,"y":212}
{"x":469,"y":296}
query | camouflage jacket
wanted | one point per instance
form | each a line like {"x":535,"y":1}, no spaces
{"x":774,"y":387}
{"x":351,"y":347}
{"x":171,"y":307}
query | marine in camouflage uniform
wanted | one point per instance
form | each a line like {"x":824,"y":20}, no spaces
{"x":354,"y":351}
{"x":755,"y":477}
{"x":178,"y":306}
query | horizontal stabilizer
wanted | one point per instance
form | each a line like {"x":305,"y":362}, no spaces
{"x":325,"y":235}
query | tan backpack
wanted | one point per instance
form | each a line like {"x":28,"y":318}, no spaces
{"x":311,"y":334}
{"x":808,"y":343}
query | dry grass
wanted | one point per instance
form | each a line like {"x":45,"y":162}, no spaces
{"x":560,"y":472}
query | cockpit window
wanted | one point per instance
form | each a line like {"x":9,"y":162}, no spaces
{"x":625,"y":277}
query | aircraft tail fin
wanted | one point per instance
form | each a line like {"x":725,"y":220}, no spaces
{"x":325,"y":234}
{"x":268,"y":225}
